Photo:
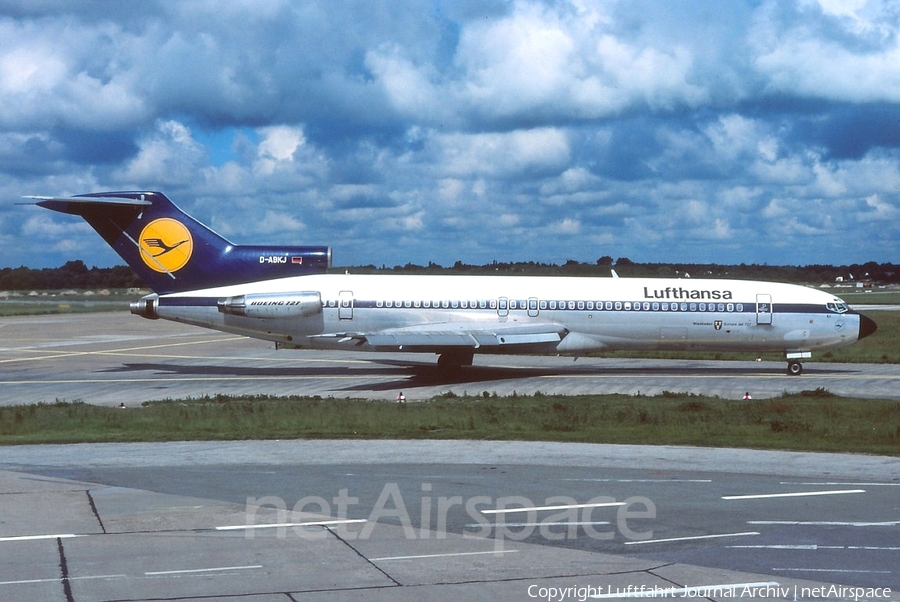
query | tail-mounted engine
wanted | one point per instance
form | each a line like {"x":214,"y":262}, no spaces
{"x":272,"y":305}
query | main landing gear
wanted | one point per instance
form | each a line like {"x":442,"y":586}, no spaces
{"x":454,"y":360}
{"x":794,"y":368}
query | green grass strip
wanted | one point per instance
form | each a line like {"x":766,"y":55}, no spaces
{"x":809,"y":421}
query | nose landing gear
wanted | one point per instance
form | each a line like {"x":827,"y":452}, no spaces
{"x":794,"y":368}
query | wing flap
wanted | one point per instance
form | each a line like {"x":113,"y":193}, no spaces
{"x":472,"y":335}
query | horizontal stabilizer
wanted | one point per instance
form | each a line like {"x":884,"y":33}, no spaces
{"x":79,"y":205}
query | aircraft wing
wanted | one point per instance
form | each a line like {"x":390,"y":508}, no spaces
{"x":474,"y":335}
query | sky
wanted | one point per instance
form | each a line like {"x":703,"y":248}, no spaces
{"x":416,"y":131}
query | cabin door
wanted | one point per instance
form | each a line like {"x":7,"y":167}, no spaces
{"x":763,"y":309}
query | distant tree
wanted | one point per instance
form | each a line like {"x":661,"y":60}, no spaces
{"x":605,"y":261}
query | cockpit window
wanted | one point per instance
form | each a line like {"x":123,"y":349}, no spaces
{"x":838,"y":307}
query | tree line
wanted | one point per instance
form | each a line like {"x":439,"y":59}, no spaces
{"x":72,"y":274}
{"x":75,"y":274}
{"x":882,"y":273}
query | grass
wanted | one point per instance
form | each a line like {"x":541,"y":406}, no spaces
{"x":811,"y":421}
{"x":60,"y":302}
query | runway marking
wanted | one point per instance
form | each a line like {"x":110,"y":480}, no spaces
{"x":572,"y":524}
{"x":838,"y":484}
{"x":423,"y":556}
{"x":38,"y":537}
{"x":318,"y":523}
{"x":700,"y":591}
{"x":761,"y":496}
{"x":210,"y":570}
{"x":181,"y":379}
{"x":58,"y":579}
{"x":801,"y":570}
{"x":641,"y":480}
{"x":541,"y":508}
{"x":814,"y":546}
{"x":122,"y":351}
{"x":824,"y":523}
{"x":695,"y":537}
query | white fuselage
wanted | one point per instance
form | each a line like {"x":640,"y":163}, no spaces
{"x":527,"y":314}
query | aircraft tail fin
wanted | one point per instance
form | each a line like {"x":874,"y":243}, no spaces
{"x":173,"y":252}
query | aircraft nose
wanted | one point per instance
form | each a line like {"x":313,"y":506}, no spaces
{"x":867,"y":326}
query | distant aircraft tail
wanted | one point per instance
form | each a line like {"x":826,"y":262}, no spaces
{"x":173,"y":252}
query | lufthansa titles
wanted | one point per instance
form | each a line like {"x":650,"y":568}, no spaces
{"x":671,"y":292}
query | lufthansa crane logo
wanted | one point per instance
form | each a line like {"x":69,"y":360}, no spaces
{"x":166,"y":245}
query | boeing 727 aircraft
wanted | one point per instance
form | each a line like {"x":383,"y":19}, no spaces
{"x":285,"y":295}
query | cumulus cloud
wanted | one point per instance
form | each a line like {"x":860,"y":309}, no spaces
{"x":474,"y":131}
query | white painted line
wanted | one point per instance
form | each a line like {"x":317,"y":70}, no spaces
{"x":825,"y":523}
{"x":718,"y":536}
{"x":58,"y":579}
{"x":702,"y":591}
{"x":210,"y":570}
{"x":780,"y":547}
{"x":761,"y":496}
{"x":641,"y":480}
{"x":318,"y":523}
{"x":541,"y":508}
{"x":37,"y":537}
{"x":839,"y":484}
{"x":27,"y":581}
{"x":572,"y":524}
{"x":802,"y":570}
{"x":441,"y":555}
{"x":818,"y":547}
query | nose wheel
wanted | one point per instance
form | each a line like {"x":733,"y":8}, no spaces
{"x":794,"y":368}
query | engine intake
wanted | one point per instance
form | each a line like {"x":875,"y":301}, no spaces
{"x":146,"y":307}
{"x":272,"y":305}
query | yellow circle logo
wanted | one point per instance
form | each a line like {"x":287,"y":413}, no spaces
{"x":166,"y":245}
